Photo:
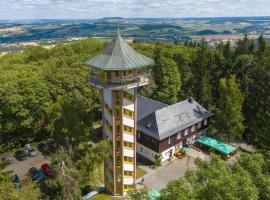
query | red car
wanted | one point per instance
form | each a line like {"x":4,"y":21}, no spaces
{"x":46,"y":169}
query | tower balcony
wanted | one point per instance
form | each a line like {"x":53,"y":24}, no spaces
{"x":119,"y":83}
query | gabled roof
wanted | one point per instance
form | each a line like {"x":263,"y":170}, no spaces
{"x":118,"y":56}
{"x":161,"y":121}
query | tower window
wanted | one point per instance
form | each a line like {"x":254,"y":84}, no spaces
{"x":128,"y":113}
{"x":128,"y":159}
{"x":128,"y":129}
{"x":128,"y":96}
{"x":128,"y":145}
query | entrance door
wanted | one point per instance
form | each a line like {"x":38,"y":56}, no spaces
{"x":170,"y":153}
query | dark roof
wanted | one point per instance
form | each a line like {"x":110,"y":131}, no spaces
{"x":161,"y":121}
{"x":118,"y":55}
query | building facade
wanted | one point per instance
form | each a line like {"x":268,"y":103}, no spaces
{"x":118,"y":72}
{"x":163,"y":129}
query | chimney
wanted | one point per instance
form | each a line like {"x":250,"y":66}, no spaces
{"x":190,"y":100}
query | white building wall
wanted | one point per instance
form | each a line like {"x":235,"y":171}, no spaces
{"x":150,"y":154}
{"x":128,"y":105}
{"x":128,"y":137}
{"x":129,"y":122}
{"x":146,"y":152}
{"x":128,"y":180}
{"x":128,"y":152}
{"x":107,"y":95}
{"x":128,"y":167}
{"x":165,"y":155}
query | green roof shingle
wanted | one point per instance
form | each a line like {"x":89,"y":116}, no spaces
{"x":119,"y":56}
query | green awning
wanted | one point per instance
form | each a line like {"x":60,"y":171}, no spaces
{"x":154,"y":194}
{"x":217,"y":145}
{"x":185,"y":149}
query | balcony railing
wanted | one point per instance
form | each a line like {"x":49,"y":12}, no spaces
{"x":119,"y":83}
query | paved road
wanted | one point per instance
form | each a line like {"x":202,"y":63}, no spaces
{"x":21,"y":167}
{"x":175,"y":169}
{"x":159,"y":178}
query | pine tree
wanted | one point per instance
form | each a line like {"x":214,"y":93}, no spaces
{"x":202,"y":89}
{"x":167,"y":80}
{"x":229,"y":118}
{"x":258,"y":109}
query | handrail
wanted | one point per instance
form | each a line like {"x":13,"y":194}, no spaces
{"x":118,"y":82}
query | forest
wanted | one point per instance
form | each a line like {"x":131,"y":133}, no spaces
{"x":44,"y":94}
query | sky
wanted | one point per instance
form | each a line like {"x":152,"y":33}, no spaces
{"x":93,"y":9}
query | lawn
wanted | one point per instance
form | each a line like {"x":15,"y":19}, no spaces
{"x":102,"y":197}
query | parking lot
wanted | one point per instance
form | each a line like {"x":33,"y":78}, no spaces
{"x":170,"y":170}
{"x":21,"y":168}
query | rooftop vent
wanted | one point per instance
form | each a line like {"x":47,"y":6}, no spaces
{"x":148,"y":125}
{"x":181,"y":118}
{"x":190,"y":100}
{"x":188,"y":115}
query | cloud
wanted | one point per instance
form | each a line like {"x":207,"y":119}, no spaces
{"x":130,"y":8}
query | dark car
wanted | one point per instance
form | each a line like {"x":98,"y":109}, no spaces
{"x":42,"y":147}
{"x":46,"y":169}
{"x":36,"y":174}
{"x":21,"y":155}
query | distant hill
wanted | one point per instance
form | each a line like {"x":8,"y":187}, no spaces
{"x":150,"y":29}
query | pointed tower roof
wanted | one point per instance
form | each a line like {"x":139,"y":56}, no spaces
{"x":118,"y":56}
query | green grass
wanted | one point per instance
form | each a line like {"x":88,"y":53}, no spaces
{"x":102,"y":197}
{"x":140,"y":172}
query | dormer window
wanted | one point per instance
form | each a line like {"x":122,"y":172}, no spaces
{"x":199,"y":125}
{"x":148,"y":125}
{"x":186,"y":132}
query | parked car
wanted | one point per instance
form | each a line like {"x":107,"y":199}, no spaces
{"x":46,"y":169}
{"x":36,"y":174}
{"x":8,"y":158}
{"x":42,"y":147}
{"x":32,"y":152}
{"x":28,"y":146}
{"x":17,"y":182}
{"x":21,"y":155}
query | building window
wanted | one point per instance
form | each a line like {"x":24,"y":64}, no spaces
{"x":128,"y":173}
{"x":205,"y":122}
{"x":178,"y":136}
{"x":186,"y":132}
{"x":128,"y":159}
{"x":128,"y":96}
{"x":127,"y":187}
{"x":128,"y":129}
{"x":128,"y":113}
{"x":139,"y":135}
{"x":169,"y":141}
{"x":141,"y":149}
{"x":199,"y":125}
{"x":128,"y":145}
{"x":193,"y":128}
